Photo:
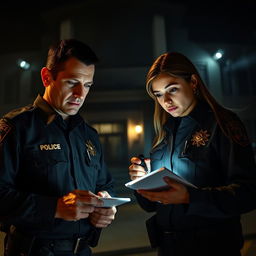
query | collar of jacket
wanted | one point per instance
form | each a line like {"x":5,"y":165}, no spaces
{"x":49,"y":115}
{"x":198,"y":114}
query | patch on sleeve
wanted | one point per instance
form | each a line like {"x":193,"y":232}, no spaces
{"x":238,"y":131}
{"x":5,"y":128}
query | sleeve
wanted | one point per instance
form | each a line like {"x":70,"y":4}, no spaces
{"x":238,"y":195}
{"x":145,"y":204}
{"x":19,"y":206}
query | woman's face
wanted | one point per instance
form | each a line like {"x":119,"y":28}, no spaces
{"x":175,"y":95}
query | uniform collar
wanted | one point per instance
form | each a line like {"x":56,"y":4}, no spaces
{"x":198,"y":114}
{"x":48,"y":114}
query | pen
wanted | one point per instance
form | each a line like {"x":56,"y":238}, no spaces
{"x":88,"y":154}
{"x":143,"y":163}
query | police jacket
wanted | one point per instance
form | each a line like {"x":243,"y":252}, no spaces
{"x":224,"y":172}
{"x":43,"y":158}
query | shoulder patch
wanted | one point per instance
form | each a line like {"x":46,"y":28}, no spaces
{"x":5,"y":128}
{"x":237,"y":130}
{"x":239,"y":133}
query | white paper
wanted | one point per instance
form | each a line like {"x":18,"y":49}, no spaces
{"x":114,"y":201}
{"x":154,"y":180}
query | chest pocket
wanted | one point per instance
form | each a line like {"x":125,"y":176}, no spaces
{"x":44,"y":170}
{"x":193,"y":153}
{"x":90,"y":160}
{"x":158,"y":157}
{"x":198,"y":144}
{"x":46,"y":166}
{"x":44,"y":159}
{"x":91,"y":155}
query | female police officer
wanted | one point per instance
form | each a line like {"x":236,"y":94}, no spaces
{"x":207,"y":145}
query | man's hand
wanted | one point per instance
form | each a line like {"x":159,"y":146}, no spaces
{"x":102,"y":217}
{"x":77,"y":205}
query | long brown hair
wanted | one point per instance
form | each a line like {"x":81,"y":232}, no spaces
{"x":178,"y":65}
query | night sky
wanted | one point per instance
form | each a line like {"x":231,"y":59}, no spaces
{"x":22,"y":24}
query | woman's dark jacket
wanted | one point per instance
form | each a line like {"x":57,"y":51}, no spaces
{"x":224,"y":172}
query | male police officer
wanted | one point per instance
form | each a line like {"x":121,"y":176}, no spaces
{"x":52,"y":170}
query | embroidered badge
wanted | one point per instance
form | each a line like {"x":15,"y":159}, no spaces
{"x":234,"y":128}
{"x":239,"y":132}
{"x":5,"y":128}
{"x":200,"y":138}
{"x":90,"y":148}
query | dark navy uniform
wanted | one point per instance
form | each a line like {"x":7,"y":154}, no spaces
{"x":42,"y":158}
{"x":224,"y":172}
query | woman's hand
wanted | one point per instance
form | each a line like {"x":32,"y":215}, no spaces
{"x":176,"y":194}
{"x":136,"y":170}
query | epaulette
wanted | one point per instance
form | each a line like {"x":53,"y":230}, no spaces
{"x":12,"y":114}
{"x":6,"y":124}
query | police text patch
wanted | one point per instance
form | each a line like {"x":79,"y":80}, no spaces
{"x":5,"y":128}
{"x":50,"y":147}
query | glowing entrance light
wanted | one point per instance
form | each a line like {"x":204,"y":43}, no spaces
{"x":138,"y":129}
{"x":218,"y":55}
{"x":23,"y":64}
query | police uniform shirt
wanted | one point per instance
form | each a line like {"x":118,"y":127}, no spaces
{"x":43,"y":158}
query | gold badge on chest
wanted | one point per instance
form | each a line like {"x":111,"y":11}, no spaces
{"x":200,"y":138}
{"x":90,"y":148}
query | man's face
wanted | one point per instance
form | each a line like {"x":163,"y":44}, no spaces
{"x":66,"y":94}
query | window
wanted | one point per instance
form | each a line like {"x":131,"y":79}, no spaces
{"x":113,"y":137}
